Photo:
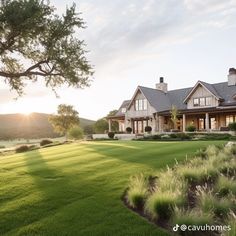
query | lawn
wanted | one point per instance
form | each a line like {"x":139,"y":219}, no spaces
{"x":76,"y":189}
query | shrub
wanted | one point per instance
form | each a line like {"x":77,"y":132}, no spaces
{"x":111,"y":135}
{"x":198,"y":174}
{"x":156,"y":137}
{"x":22,"y":148}
{"x":2,"y":146}
{"x":137,"y":191}
{"x":191,"y":128}
{"x":173,"y":135}
{"x":183,"y":136}
{"x":212,"y":150}
{"x":160,"y":205}
{"x":208,"y":203}
{"x":191,"y":217}
{"x":224,"y":186}
{"x":232,"y":126}
{"x":128,"y":130}
{"x":148,"y":129}
{"x":45,"y":142}
{"x":232,"y":224}
{"x":76,"y":133}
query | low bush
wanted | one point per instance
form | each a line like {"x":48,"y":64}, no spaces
{"x":212,"y":150}
{"x":129,"y":130}
{"x":111,"y":135}
{"x":232,"y":126}
{"x":22,"y":148}
{"x":173,"y":135}
{"x":183,"y":136}
{"x":45,"y":142}
{"x":2,"y":146}
{"x":225,"y":186}
{"x":209,"y":203}
{"x":160,"y":205}
{"x":192,"y":218}
{"x":76,"y":133}
{"x":137,"y":191}
{"x":191,"y":128}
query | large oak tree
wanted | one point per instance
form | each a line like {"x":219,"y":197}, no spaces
{"x":37,"y":43}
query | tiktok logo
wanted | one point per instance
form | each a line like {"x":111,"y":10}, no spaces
{"x":175,"y":228}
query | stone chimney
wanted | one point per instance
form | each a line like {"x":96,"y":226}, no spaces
{"x":161,"y":85}
{"x":232,"y":77}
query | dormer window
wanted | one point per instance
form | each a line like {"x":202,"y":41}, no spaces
{"x":202,"y":102}
{"x":123,"y":109}
{"x":141,"y":104}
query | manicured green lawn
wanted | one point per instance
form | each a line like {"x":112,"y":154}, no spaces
{"x":76,"y":189}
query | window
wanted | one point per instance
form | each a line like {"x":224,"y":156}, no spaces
{"x":229,"y":119}
{"x":136,"y":105}
{"x":202,"y":102}
{"x":195,"y":102}
{"x":145,"y":104}
{"x":123,"y":110}
{"x":208,"y":101}
{"x":141,"y":104}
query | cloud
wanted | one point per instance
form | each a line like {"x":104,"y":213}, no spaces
{"x":119,"y":31}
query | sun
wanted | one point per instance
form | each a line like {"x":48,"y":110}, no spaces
{"x":27,"y":113}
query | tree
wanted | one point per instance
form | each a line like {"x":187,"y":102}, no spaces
{"x":36,"y":43}
{"x":174,"y":116}
{"x":101,"y":126}
{"x":65,"y":119}
{"x":89,"y":129}
{"x":76,"y":132}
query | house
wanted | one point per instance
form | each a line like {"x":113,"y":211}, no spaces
{"x":208,"y":107}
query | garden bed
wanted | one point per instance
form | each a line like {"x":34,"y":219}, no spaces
{"x":198,"y":192}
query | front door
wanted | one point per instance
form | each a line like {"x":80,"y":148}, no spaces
{"x":139,"y":126}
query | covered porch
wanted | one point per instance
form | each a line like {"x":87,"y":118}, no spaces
{"x":119,"y":119}
{"x":203,"y":121}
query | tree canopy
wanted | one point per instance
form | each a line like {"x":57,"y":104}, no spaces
{"x":65,"y":119}
{"x":36,"y":43}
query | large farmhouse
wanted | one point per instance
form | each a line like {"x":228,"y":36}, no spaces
{"x":206,"y":106}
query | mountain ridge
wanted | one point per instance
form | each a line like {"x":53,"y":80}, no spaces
{"x":34,"y":125}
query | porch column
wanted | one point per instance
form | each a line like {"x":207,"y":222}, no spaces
{"x":184,"y":123}
{"x":109,"y":123}
{"x":207,"y":122}
{"x":160,"y":123}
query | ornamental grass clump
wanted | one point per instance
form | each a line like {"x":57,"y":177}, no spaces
{"x":209,"y":203}
{"x":137,"y":191}
{"x":225,"y":186}
{"x":198,"y":174}
{"x":192,"y":218}
{"x":212,"y":150}
{"x":160,"y":205}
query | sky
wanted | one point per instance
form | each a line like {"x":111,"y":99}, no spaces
{"x":134,"y":42}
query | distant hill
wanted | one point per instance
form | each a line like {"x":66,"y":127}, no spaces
{"x":35,"y":125}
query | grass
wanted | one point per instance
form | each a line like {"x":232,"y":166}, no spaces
{"x":137,"y":191}
{"x":76,"y":189}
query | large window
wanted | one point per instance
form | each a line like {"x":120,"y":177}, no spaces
{"x":141,"y":104}
{"x":229,"y":119}
{"x":202,"y":102}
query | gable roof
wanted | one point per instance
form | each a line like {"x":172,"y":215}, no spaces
{"x":158,"y":99}
{"x":208,"y":87}
{"x":162,"y":101}
{"x":123,"y":105}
